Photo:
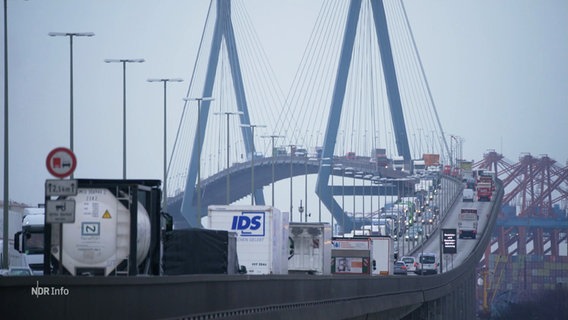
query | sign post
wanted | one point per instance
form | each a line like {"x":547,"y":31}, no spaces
{"x":61,"y":163}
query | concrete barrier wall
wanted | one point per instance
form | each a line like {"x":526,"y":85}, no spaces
{"x":237,"y":296}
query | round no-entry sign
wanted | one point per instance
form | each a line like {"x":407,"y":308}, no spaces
{"x":61,"y":162}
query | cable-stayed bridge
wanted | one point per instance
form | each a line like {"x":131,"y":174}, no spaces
{"x":360,"y":87}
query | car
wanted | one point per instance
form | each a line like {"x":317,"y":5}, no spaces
{"x":427,"y":263}
{"x":428,"y":217}
{"x":411,"y":235}
{"x":400,"y":268}
{"x":17,"y":271}
{"x":418,"y":229}
{"x":410,"y":262}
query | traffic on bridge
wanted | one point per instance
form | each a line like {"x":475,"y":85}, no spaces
{"x":343,"y":198}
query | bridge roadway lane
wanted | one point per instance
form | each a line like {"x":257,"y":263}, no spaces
{"x":464,"y":246}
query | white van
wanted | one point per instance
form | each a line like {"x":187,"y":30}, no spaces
{"x":467,"y":195}
{"x":427,"y":264}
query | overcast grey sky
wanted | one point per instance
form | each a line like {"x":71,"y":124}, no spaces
{"x":498,"y":71}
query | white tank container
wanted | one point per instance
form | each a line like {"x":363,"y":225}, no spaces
{"x":100,"y":236}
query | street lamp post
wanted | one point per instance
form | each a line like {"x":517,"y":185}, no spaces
{"x":348,"y":171}
{"x":272,"y":137}
{"x":199,"y":100}
{"x":368,"y":177}
{"x":165,"y":187}
{"x":359,"y":174}
{"x":325,"y":165}
{"x":306,"y":184}
{"x":291,"y":188}
{"x":228,"y":114}
{"x":339,"y":167}
{"x":71,"y":35}
{"x":252,"y":126}
{"x":6,"y":204}
{"x":124,"y":62}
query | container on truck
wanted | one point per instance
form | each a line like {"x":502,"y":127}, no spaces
{"x":372,"y":255}
{"x":262,"y":235}
{"x":431,"y":160}
{"x":99,"y":239}
{"x":350,"y":256}
{"x":15,"y":258}
{"x":487,"y":178}
{"x":310,"y":248}
{"x":116,"y":230}
{"x":382,"y":255}
{"x":467,"y":223}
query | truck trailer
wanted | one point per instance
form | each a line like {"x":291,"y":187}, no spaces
{"x":310,"y":248}
{"x":262,"y":235}
{"x":484,"y":191}
{"x":467,"y":223}
{"x":362,"y":255}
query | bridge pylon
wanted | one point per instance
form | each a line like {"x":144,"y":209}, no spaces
{"x":223,"y":31}
{"x":323,"y":189}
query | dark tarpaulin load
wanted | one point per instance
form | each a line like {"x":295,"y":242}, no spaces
{"x":199,"y":251}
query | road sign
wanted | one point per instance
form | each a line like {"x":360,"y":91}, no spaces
{"x":449,"y":242}
{"x":61,"y":162}
{"x":57,"y":187}
{"x":60,"y":211}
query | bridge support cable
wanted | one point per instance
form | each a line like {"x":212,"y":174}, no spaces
{"x":444,"y":142}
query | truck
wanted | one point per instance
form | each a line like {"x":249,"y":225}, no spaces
{"x":350,"y":256}
{"x":431,"y":159}
{"x":419,"y":166}
{"x":98,"y":240}
{"x":398,"y":163}
{"x":15,"y":258}
{"x":363,"y":255}
{"x":467,"y":223}
{"x":484,"y":191}
{"x":486,"y":178}
{"x":379,"y":157}
{"x":29,"y":240}
{"x":310,"y":248}
{"x":262,"y":235}
{"x":382,"y":256}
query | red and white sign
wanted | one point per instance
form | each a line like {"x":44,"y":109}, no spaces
{"x":61,"y":162}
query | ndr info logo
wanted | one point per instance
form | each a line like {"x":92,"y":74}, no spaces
{"x":49,"y":291}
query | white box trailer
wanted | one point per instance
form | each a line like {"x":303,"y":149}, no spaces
{"x":382,"y":255}
{"x":363,"y":255}
{"x":350,"y":256}
{"x":262,"y":235}
{"x":310,"y":248}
